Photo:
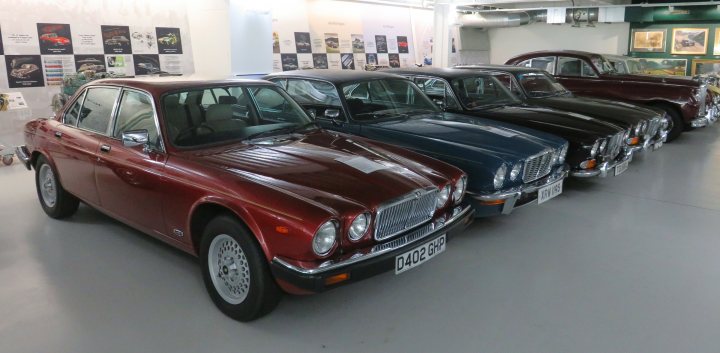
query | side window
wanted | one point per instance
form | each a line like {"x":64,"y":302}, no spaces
{"x":280,"y":82}
{"x":272,"y":106}
{"x":313,"y":92}
{"x":136,"y":113}
{"x":438,"y":91}
{"x":97,"y":109}
{"x":546,"y":63}
{"x":207,"y":98}
{"x":574,"y":67}
{"x":71,"y":116}
{"x":587,"y":70}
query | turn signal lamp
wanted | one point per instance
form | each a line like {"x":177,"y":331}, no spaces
{"x":589,"y":164}
{"x":633,"y":141}
{"x":282,"y":230}
{"x":493,"y":202}
{"x":334,"y":279}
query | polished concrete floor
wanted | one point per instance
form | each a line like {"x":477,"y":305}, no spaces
{"x":626,"y":264}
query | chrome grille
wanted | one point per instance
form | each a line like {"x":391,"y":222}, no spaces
{"x":614,"y":146}
{"x":538,"y":166}
{"x":653,"y":128}
{"x":405,"y":213}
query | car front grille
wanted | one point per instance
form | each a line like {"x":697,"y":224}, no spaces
{"x":405,"y":213}
{"x":653,"y":128}
{"x":538,"y":166}
{"x":614,"y":146}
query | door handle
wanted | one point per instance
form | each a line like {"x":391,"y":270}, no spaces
{"x":105,"y":148}
{"x":58,"y":134}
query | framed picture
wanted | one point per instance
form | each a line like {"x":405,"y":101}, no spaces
{"x":691,"y":41}
{"x":705,"y":66}
{"x":716,"y":46}
{"x":664,"y":66}
{"x":648,"y":40}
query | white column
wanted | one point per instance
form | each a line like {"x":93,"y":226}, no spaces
{"x":210,"y":36}
{"x":250,"y":37}
{"x":444,"y":17}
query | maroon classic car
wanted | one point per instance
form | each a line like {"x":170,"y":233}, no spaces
{"x":236,"y":173}
{"x":687,"y":101}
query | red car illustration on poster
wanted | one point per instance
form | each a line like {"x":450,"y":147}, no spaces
{"x":54,"y":39}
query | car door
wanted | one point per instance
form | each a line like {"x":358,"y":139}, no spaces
{"x":130,"y":179}
{"x":577,"y":75}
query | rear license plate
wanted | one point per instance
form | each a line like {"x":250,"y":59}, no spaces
{"x":419,"y":255}
{"x":657,"y":145}
{"x":550,"y":191}
{"x":620,"y":168}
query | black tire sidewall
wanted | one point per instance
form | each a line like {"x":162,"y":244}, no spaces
{"x":262,"y":294}
{"x":678,"y":123}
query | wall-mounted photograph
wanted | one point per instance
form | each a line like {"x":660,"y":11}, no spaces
{"x":302,"y":42}
{"x":347,"y":61}
{"x":276,"y":43}
{"x":691,"y":41}
{"x":320,"y":61}
{"x":24,"y":71}
{"x":371,"y":59}
{"x":394,"y":60}
{"x":54,"y":38}
{"x":648,"y":40}
{"x":655,"y":66}
{"x":358,"y":43}
{"x":381,"y":44}
{"x":332,"y":43}
{"x":169,"y":41}
{"x":716,"y":46}
{"x":95,"y":63}
{"x":705,"y":66}
{"x":116,"y":39}
{"x":146,"y":64}
{"x":403,"y":46}
{"x":289,"y":62}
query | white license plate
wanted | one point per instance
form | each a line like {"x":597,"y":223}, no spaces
{"x":550,"y":191}
{"x":657,"y":145}
{"x":620,"y":168}
{"x":419,"y":255}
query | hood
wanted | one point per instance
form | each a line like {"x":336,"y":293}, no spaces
{"x":322,"y":166}
{"x":620,"y":113}
{"x":673,"y":80}
{"x":574,"y":127}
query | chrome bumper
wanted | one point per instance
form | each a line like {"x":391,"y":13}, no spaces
{"x":603,"y":169}
{"x":24,"y":156}
{"x":512,"y":195}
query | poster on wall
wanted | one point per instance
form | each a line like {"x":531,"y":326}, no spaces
{"x":392,"y":45}
{"x":705,"y":66}
{"x":289,"y":62}
{"x":143,"y":40}
{"x":302,"y":42}
{"x":276,"y":43}
{"x":320,"y":61}
{"x":119,"y":65}
{"x":55,"y":38}
{"x":403,"y":45}
{"x":20,"y":38}
{"x":116,"y":39}
{"x":394,"y":60}
{"x":332,"y":43}
{"x":305,"y":61}
{"x":87,"y":39}
{"x":381,"y":44}
{"x":169,"y":41}
{"x":371,"y":58}
{"x":94,"y":63}
{"x":11,"y":101}
{"x":689,"y":41}
{"x":716,"y":47}
{"x":648,"y":40}
{"x":358,"y":44}
{"x":56,"y":67}
{"x":334,"y":62}
{"x":24,"y":71}
{"x":347,"y":61}
{"x":654,"y":66}
{"x":172,"y":64}
{"x":146,"y":64}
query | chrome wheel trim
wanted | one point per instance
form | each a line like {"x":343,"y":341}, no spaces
{"x":48,"y":188}
{"x":229,"y":269}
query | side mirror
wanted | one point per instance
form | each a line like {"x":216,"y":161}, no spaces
{"x":312,"y":113}
{"x":440,"y":103}
{"x":135,"y":138}
{"x":333,"y":114}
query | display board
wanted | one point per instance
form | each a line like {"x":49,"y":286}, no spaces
{"x":348,"y":35}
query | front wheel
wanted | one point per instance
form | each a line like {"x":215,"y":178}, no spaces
{"x":55,"y":201}
{"x":235,"y":272}
{"x":677,"y":125}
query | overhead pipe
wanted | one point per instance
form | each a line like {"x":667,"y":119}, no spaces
{"x":500,"y":19}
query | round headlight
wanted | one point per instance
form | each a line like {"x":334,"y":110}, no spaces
{"x":595,"y":147}
{"x":443,"y":196}
{"x":500,"y":177}
{"x":515,"y":171}
{"x":638,"y":129}
{"x":563,"y":153}
{"x":627,"y":135}
{"x":459,"y":189}
{"x":324,"y":239}
{"x":603,"y":144}
{"x":359,"y":226}
{"x":644,"y":126}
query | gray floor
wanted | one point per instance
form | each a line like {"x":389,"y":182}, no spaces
{"x":626,"y":264}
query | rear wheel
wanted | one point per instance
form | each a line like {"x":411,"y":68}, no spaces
{"x":235,"y":271}
{"x":677,"y":125}
{"x":55,"y":201}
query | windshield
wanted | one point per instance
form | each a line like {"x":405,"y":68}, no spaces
{"x":602,"y":65}
{"x":540,"y":84}
{"x":483,"y":91}
{"x":215,"y":115}
{"x":385,"y":99}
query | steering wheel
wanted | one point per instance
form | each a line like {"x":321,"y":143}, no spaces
{"x":193,"y":130}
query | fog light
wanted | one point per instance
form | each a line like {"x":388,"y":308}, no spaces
{"x":334,"y":279}
{"x":589,"y":164}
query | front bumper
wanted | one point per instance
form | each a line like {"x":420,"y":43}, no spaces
{"x":603,"y":170}
{"x":24,"y":156}
{"x":369,"y":261}
{"x":710,"y":117}
{"x":505,"y":201}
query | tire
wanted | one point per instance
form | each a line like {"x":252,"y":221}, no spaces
{"x":678,"y":125}
{"x":243,"y":287}
{"x":7,"y":160}
{"x":55,"y":201}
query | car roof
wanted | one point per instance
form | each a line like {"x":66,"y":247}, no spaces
{"x":337,"y":77}
{"x":445,"y":73}
{"x":161,"y":84}
{"x":506,"y":68}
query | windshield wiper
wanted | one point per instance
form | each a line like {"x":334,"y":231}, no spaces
{"x":288,"y":129}
{"x":304,"y":126}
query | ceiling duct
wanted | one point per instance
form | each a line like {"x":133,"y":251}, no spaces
{"x":500,"y":19}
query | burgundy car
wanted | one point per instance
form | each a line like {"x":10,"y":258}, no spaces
{"x":687,"y":101}
{"x":236,"y":173}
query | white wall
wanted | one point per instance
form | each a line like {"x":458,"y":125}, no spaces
{"x":603,"y":38}
{"x":210,"y":33}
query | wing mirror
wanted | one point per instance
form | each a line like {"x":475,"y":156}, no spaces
{"x":440,"y":103}
{"x":312,"y":113}
{"x":135,"y":138}
{"x":333,"y":114}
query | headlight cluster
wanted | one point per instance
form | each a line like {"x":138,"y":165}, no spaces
{"x":515,"y":171}
{"x":560,"y":154}
{"x":641,"y":128}
{"x":459,"y":189}
{"x":499,"y":179}
{"x":443,"y":197}
{"x":359,"y":226}
{"x":325,"y":238}
{"x":595,"y":148}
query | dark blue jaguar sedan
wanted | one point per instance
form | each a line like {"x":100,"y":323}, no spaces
{"x":508,"y":166}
